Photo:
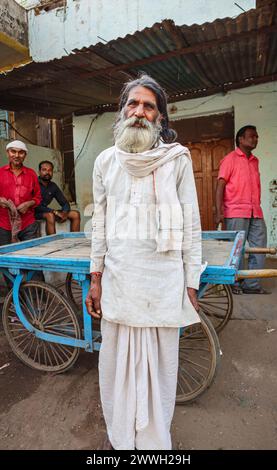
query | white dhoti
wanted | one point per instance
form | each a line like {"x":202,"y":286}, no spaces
{"x":138,"y":376}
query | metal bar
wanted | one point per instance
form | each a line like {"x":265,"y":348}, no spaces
{"x":47,"y":264}
{"x":237,"y":250}
{"x":88,"y":321}
{"x":219,"y":235}
{"x":39,"y":334}
{"x":254,"y":273}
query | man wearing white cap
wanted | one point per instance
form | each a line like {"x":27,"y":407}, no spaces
{"x":19,"y":195}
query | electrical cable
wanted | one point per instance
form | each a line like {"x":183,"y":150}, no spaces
{"x":82,"y":148}
{"x":21,"y":135}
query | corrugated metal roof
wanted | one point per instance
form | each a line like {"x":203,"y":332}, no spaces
{"x":227,"y":53}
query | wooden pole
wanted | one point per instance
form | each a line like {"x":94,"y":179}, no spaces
{"x":271,"y":251}
{"x":253,"y":273}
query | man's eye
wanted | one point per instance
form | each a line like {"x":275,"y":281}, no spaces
{"x":149,"y":106}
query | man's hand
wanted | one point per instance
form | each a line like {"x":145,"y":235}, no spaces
{"x":93,"y":298}
{"x":219,"y":218}
{"x":61,"y":215}
{"x":192,"y":293}
{"x":3,"y":203}
{"x":24,"y":206}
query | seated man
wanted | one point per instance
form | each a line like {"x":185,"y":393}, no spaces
{"x":50,"y":191}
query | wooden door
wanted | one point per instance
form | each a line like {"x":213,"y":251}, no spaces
{"x":206,"y":157}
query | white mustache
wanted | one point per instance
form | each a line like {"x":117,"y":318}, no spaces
{"x":135,"y":139}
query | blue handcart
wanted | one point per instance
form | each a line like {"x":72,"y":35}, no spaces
{"x":47,"y":327}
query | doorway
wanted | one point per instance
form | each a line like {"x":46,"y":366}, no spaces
{"x":209,"y":139}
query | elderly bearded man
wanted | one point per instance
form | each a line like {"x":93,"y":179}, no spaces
{"x":143,"y":287}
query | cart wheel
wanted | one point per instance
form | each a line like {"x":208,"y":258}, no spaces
{"x":199,"y":356}
{"x":73,"y":291}
{"x":47,"y":310}
{"x":217,"y":304}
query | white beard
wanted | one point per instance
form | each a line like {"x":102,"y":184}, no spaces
{"x":132,"y":139}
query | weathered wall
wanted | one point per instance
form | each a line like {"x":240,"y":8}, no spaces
{"x":13,"y":21}
{"x":83,"y":23}
{"x":35,"y":155}
{"x":13,"y":35}
{"x":255,"y":105}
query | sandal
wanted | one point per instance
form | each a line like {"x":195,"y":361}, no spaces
{"x":256,"y":291}
{"x":237,"y":290}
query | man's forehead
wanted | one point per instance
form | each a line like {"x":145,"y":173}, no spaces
{"x":46,"y":165}
{"x":16,"y":149}
{"x":251,"y":131}
{"x":142,"y":93}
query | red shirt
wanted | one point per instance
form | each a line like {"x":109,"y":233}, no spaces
{"x":242,"y":194}
{"x":22,"y":188}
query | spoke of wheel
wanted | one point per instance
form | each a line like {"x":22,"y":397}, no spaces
{"x":25,"y":347}
{"x":24,"y":304}
{"x":16,"y":328}
{"x":46,"y":354}
{"x":31,"y":345}
{"x":201,"y":347}
{"x":185,"y":371}
{"x":180,"y":386}
{"x":189,"y":361}
{"x":66,"y":354}
{"x":66,"y":348}
{"x":24,"y":339}
{"x":48,"y":307}
{"x":36,"y":350}
{"x":189,"y":386}
{"x":31,"y":300}
{"x":56,"y":354}
{"x":41,"y":301}
{"x":52,"y":313}
{"x":26,"y":332}
{"x":46,"y":303}
{"x":54,"y":321}
{"x":55,"y":314}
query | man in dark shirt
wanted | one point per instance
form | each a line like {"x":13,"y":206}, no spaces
{"x":50,"y":191}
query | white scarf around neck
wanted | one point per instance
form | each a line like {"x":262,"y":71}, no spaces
{"x":169,"y":213}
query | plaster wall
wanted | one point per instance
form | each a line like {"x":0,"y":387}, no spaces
{"x":82,"y":23}
{"x":254,"y":105}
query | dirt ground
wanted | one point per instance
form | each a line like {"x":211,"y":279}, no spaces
{"x":239,"y":411}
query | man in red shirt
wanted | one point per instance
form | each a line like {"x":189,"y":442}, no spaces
{"x":238,"y":201}
{"x":19,"y":195}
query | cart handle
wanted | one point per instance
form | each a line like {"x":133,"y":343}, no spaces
{"x":271,"y":251}
{"x":253,"y":273}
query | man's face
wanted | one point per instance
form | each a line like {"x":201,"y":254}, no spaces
{"x":16,"y":157}
{"x":141,"y":103}
{"x":138,"y":126}
{"x":46,"y":172}
{"x":250,"y":139}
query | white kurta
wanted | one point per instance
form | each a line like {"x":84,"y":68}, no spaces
{"x":140,"y":287}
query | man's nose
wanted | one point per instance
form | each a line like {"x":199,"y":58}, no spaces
{"x":139,"y":110}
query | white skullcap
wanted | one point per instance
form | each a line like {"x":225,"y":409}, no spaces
{"x":17,"y":144}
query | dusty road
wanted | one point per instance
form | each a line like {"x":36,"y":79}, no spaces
{"x":239,"y":411}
